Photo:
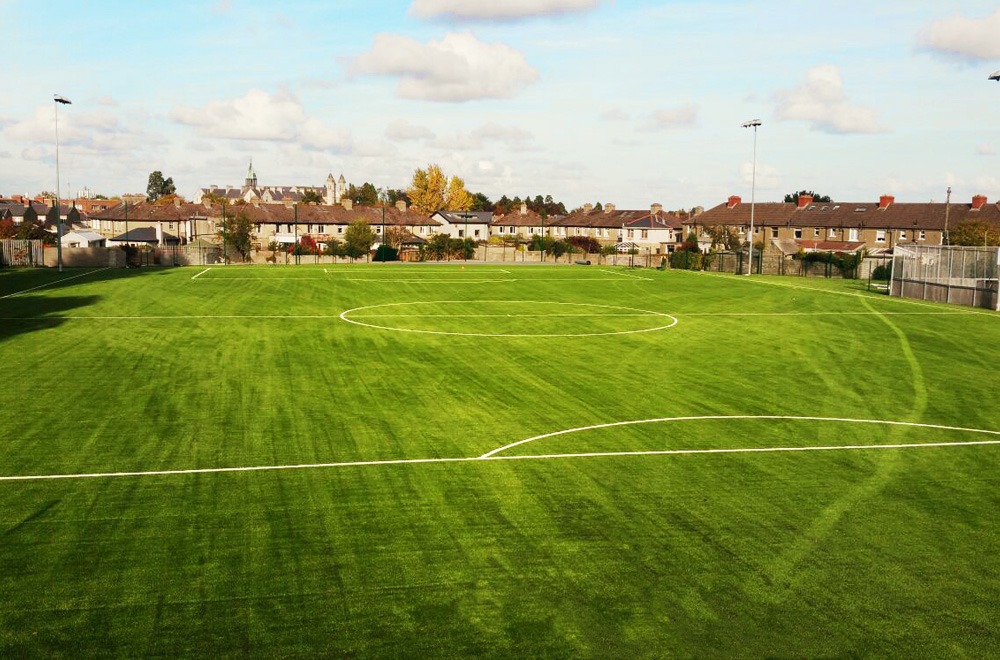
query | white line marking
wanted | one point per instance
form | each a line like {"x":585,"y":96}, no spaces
{"x":485,"y":458}
{"x":855,"y":294}
{"x":201,"y":273}
{"x":42,"y":286}
{"x":499,"y":316}
{"x":658,"y":420}
{"x":372,"y":279}
{"x":635,"y":277}
{"x":344,"y":314}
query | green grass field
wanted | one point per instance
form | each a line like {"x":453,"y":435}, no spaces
{"x":353,"y":388}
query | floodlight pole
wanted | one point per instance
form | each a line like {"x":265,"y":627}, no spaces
{"x":58,"y":100}
{"x":753,"y":123}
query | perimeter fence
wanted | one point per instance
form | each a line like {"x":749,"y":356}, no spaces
{"x":949,"y":274}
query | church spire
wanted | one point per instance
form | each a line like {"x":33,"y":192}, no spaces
{"x":251,"y":180}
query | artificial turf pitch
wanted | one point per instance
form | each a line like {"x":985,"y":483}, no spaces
{"x":620,"y":553}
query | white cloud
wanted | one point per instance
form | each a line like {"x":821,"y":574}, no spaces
{"x":86,"y":132}
{"x":821,"y":101}
{"x":222,"y":7}
{"x":985,"y":150}
{"x":614,"y":114}
{"x":402,"y":130}
{"x":458,"y":68}
{"x":681,"y":116}
{"x":768,"y":177}
{"x":511,"y":136}
{"x":258,"y":115}
{"x":958,"y":37}
{"x":506,"y":10}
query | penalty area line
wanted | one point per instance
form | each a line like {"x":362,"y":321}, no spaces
{"x":65,"y":279}
{"x":201,"y":273}
{"x":490,"y":458}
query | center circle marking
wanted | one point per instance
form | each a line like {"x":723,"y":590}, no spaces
{"x":344,"y":316}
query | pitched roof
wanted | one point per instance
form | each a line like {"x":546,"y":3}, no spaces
{"x":926,"y":215}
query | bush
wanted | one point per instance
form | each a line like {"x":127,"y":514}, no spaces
{"x":686,"y":260}
{"x":386,"y":253}
{"x":882,"y":272}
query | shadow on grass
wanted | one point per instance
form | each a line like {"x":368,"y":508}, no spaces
{"x":29,"y":313}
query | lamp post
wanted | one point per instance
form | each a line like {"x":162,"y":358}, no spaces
{"x":59,"y":100}
{"x":753,"y":123}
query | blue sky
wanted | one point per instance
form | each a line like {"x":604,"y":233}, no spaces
{"x":627,"y":102}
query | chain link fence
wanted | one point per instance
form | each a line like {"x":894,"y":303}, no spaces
{"x":949,"y":274}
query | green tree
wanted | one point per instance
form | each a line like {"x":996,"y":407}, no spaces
{"x":312,"y":197}
{"x":358,"y":239}
{"x":158,"y":186}
{"x":974,"y":232}
{"x":793,"y":198}
{"x":481,"y":202}
{"x":237,"y":233}
{"x":724,"y":236}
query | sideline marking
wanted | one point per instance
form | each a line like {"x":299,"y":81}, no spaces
{"x":657,"y":420}
{"x":344,"y":314}
{"x":65,"y":279}
{"x":201,"y":273}
{"x":855,"y":294}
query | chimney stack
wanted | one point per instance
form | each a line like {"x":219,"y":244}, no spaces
{"x":655,"y":208}
{"x":401,"y":205}
{"x":288,"y":203}
{"x":524,"y":209}
{"x":588,"y":207}
{"x":804,"y":201}
{"x":177,"y":202}
{"x":734,"y":201}
{"x":609,"y":208}
{"x":348,"y":204}
{"x":978,"y":202}
{"x":884,"y":201}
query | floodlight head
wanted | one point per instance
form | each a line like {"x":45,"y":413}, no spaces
{"x":995,"y":76}
{"x":752,"y":123}
{"x":61,"y":99}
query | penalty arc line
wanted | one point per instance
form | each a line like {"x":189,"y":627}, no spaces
{"x":489,"y":458}
{"x":636,"y":422}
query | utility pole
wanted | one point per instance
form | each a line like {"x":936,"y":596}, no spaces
{"x":947,"y":213}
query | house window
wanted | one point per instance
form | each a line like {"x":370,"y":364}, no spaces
{"x":423,"y":230}
{"x":798,"y":232}
{"x":510,"y":230}
{"x":631,"y":233}
{"x":923,"y":235}
{"x":880,"y":236}
{"x":816,"y":232}
{"x":902,"y":235}
{"x":477,"y":233}
{"x":461,"y":233}
{"x":852,"y":234}
{"x":831,"y":233}
{"x":320,"y":229}
{"x":340,"y":229}
{"x":774,"y":232}
{"x":645,"y":233}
